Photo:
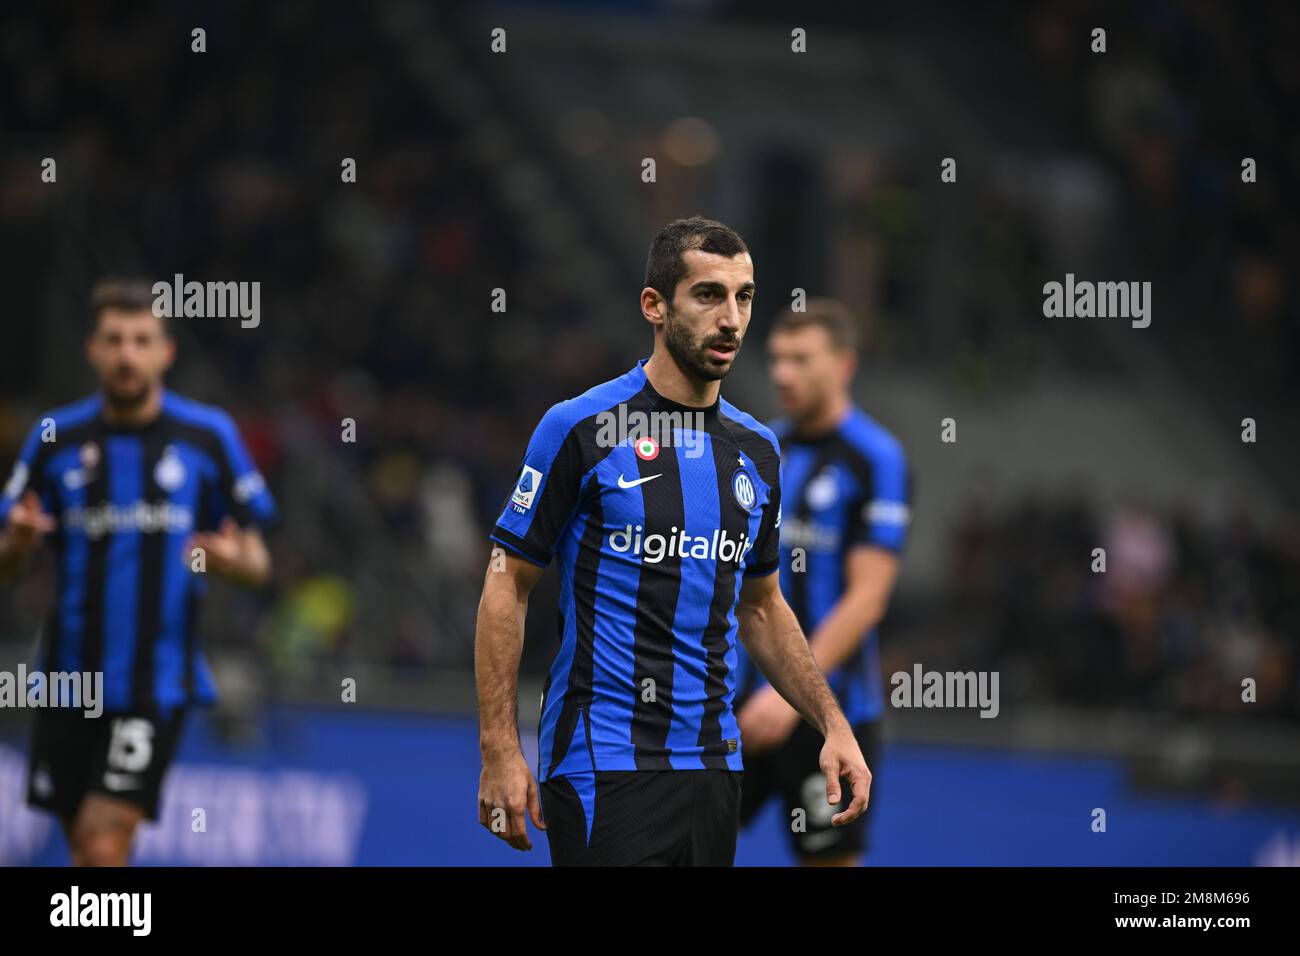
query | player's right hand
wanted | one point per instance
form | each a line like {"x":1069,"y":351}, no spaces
{"x":506,"y":792}
{"x":27,"y":524}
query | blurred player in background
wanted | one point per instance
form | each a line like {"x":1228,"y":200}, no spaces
{"x":846,"y":489}
{"x":127,"y":484}
{"x":667,"y":541}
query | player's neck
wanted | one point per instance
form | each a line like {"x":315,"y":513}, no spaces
{"x":134,"y":416}
{"x":667,"y":378}
{"x":825,"y":419}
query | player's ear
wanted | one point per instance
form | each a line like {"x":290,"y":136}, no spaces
{"x":653,"y":306}
{"x":849,"y":366}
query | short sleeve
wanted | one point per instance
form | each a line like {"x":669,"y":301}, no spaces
{"x":882,"y":512}
{"x":767,"y":549}
{"x":243,"y":492}
{"x":25,"y":474}
{"x":546,"y":492}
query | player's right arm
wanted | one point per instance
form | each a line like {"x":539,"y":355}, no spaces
{"x":26,"y":526}
{"x":22,"y":513}
{"x":532,"y":521}
{"x":506,"y":787}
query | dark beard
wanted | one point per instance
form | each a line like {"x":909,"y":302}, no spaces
{"x":690,"y":357}
{"x":127,"y":401}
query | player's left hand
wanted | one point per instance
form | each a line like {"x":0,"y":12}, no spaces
{"x":766,"y":721}
{"x":842,"y":757}
{"x":223,"y":548}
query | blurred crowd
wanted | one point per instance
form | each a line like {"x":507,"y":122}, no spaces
{"x":385,"y":401}
{"x":1183,"y":94}
{"x":376,"y":295}
{"x":1171,"y":614}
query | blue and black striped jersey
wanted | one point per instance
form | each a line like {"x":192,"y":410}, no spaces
{"x":655,"y":532}
{"x":845,"y":489}
{"x":125,"y":500}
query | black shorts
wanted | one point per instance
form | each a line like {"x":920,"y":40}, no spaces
{"x":793,"y":770}
{"x":123,"y":756}
{"x":643,"y":817}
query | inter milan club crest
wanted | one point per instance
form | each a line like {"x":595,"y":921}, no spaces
{"x":647,"y":449}
{"x":742,"y":486}
{"x":822,"y":490}
{"x":88,"y":455}
{"x":169,"y":473}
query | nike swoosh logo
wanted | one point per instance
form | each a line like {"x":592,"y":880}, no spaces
{"x":633,"y":484}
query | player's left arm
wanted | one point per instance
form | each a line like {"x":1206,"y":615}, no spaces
{"x":235,"y":549}
{"x":869,"y":575}
{"x":772,"y":636}
{"x":875,"y":535}
{"x":239,"y":554}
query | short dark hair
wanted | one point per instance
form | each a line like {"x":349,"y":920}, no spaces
{"x":664,"y":266}
{"x":124,"y":295}
{"x":830,"y":314}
